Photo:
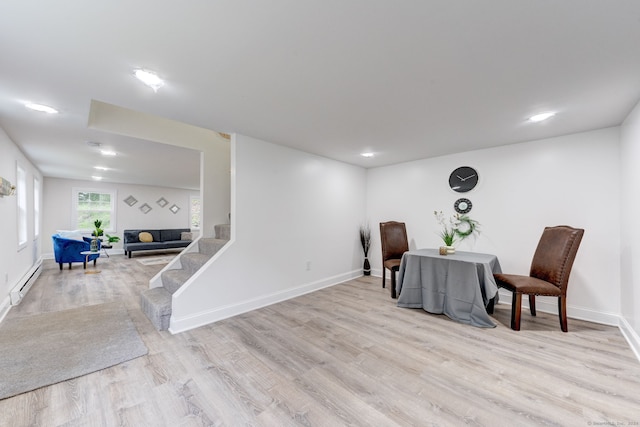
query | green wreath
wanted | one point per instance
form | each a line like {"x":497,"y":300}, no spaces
{"x":466,"y":227}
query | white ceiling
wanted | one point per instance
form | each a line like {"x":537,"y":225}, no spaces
{"x":405,"y":79}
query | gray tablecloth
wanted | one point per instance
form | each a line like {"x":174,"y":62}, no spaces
{"x":459,"y":286}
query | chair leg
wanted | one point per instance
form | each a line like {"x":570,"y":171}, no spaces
{"x":532,"y":304}
{"x":60,"y":265}
{"x":69,"y":266}
{"x":516,"y":308}
{"x":491,"y":306}
{"x":562,"y":313}
{"x":384,"y":276}
{"x":94,"y":262}
{"x":393,"y":283}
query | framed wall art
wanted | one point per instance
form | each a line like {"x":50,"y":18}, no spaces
{"x":145,"y":208}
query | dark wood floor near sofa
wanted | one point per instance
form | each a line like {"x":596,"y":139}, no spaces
{"x":343,"y":355}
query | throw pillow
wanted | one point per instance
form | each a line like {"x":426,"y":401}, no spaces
{"x":71,"y":234}
{"x":145,"y":237}
{"x":185,"y":235}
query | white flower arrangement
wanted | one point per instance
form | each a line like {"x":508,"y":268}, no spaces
{"x":456,"y":228}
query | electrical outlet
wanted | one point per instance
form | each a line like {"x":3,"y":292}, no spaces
{"x":308,"y":265}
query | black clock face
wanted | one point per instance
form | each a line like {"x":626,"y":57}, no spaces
{"x":463,"y":179}
{"x":462,"y":206}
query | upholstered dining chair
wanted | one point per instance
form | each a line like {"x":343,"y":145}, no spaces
{"x":393,"y":236}
{"x":549,"y":273}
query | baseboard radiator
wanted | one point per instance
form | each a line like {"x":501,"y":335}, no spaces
{"x":23,"y":286}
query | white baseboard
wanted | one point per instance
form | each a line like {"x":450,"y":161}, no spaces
{"x":181,"y":324}
{"x":582,"y":313}
{"x":550,"y":305}
{"x":631,"y":336}
{"x":5,"y":306}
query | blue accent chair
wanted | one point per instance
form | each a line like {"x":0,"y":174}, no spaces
{"x":68,"y":250}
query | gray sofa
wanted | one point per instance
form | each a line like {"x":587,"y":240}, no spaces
{"x":169,"y":238}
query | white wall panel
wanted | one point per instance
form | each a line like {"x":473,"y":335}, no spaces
{"x":295,"y":219}
{"x":630,"y":231}
{"x":572,"y":180}
{"x":15,"y":263}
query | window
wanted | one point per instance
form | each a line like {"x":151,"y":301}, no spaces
{"x":21,"y":190}
{"x":90,"y":205}
{"x":36,"y":207}
{"x":195,"y":212}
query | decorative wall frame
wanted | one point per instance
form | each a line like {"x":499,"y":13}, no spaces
{"x":174,"y":208}
{"x":145,"y":208}
{"x":162,"y":202}
{"x":131,"y":200}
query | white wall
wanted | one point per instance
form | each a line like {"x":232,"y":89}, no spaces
{"x":289,"y":209}
{"x":572,"y":180}
{"x":630,"y":231}
{"x":14,"y":263}
{"x":58,"y":203}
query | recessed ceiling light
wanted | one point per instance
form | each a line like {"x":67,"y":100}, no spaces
{"x":107,"y":153}
{"x":102,"y":168}
{"x":96,"y":178}
{"x":41,"y":108}
{"x":149,"y":78}
{"x":542,"y":116}
{"x":367,"y":154}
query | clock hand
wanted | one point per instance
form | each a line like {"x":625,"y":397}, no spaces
{"x":471,"y":176}
{"x":460,"y":178}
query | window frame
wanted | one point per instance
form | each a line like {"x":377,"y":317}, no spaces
{"x":21,"y":206}
{"x":37,"y":203}
{"x":75,"y":212}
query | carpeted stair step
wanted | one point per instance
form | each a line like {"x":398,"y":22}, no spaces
{"x":173,"y":279}
{"x":210,"y":246}
{"x":191,"y":262}
{"x":156,"y":304}
{"x":223,"y":231}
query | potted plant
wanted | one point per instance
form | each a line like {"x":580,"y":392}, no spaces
{"x":365,"y":240}
{"x":95,"y":233}
{"x":112,"y":239}
{"x":456,"y":228}
{"x":109,"y":243}
{"x":98,"y":231}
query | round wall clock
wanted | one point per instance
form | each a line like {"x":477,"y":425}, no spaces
{"x":463,"y":179}
{"x":462,"y":206}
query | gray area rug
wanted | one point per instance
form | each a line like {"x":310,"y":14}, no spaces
{"x":44,"y":349}
{"x":156,"y":260}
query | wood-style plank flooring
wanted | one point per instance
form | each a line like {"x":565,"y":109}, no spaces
{"x":345,"y":355}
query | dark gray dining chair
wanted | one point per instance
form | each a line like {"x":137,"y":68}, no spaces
{"x":549,"y":273}
{"x":393,"y":236}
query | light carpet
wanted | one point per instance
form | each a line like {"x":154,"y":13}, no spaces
{"x":156,"y":260}
{"x":44,"y":349}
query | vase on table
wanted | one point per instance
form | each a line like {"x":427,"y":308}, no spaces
{"x":367,"y":267}
{"x":447,"y":250}
{"x":93,"y":245}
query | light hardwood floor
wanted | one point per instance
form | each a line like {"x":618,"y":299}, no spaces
{"x":345,"y":355}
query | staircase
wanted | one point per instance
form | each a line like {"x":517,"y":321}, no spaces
{"x":156,"y":302}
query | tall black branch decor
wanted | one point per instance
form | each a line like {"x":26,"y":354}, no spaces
{"x":365,"y":240}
